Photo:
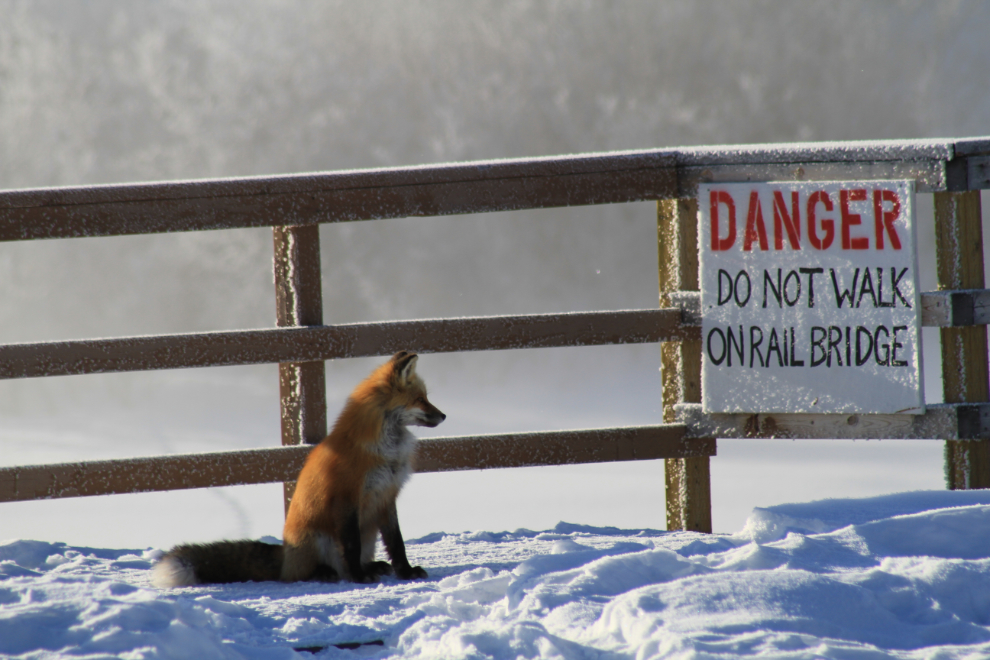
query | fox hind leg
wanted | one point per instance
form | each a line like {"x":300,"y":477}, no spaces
{"x":301,"y":560}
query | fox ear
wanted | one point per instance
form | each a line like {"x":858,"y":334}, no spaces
{"x":405,"y":364}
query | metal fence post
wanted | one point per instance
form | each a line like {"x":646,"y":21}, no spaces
{"x":688,"y":480}
{"x":299,"y":302}
{"x":959,"y":247}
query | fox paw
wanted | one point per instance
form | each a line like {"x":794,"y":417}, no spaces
{"x":411,"y":573}
{"x":324,"y":573}
{"x":376,"y":569}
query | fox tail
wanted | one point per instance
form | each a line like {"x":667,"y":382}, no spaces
{"x":223,"y":561}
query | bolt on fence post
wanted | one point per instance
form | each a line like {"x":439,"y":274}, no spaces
{"x":688,"y":480}
{"x":959,"y":248}
{"x":299,"y":302}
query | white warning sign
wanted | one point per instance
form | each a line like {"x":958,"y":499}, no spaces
{"x":809,"y":298}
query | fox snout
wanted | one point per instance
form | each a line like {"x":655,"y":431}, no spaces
{"x":431,"y":415}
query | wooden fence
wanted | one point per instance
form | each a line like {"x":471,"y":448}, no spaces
{"x":295,"y":205}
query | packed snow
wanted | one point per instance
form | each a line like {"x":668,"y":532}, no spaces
{"x":903,"y":576}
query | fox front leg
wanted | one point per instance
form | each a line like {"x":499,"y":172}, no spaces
{"x":396,"y":547}
{"x":350,"y":539}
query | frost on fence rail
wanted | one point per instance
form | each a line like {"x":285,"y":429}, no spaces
{"x":341,"y":341}
{"x":476,"y":187}
{"x":336,"y":196}
{"x":255,"y":466}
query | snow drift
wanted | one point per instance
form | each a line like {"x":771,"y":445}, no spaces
{"x":903,"y":576}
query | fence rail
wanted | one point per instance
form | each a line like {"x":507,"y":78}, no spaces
{"x":312,"y":343}
{"x":259,"y":466}
{"x":477,"y":187}
{"x":294,"y":205}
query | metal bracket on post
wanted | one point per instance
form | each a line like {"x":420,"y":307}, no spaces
{"x":955,"y":309}
{"x":299,"y":302}
{"x":689,"y":302}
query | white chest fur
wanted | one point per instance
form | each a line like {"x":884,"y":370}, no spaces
{"x":395,"y":447}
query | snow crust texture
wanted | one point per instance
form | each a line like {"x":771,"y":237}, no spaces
{"x":900,"y":576}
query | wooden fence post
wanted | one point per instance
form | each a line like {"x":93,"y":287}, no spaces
{"x":688,"y":480}
{"x":299,"y":302}
{"x":959,"y":247}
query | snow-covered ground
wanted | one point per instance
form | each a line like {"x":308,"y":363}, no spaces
{"x":905,"y":576}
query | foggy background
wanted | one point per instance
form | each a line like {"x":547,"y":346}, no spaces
{"x":108,"y":92}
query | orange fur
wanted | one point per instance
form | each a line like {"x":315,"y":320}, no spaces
{"x":334,"y":482}
{"x":344,"y":498}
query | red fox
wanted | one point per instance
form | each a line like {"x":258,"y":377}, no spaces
{"x":344,"y":498}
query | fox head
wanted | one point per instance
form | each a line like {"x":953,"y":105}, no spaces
{"x":408,"y":392}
